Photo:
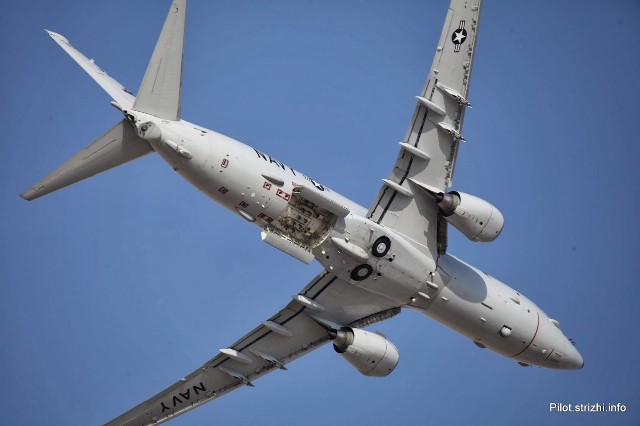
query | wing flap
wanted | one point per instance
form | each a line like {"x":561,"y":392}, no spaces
{"x":117,"y":146}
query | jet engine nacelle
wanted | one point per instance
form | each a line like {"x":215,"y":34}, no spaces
{"x":477,"y":219}
{"x":370,"y":353}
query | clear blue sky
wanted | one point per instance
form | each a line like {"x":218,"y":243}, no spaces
{"x":118,"y":286}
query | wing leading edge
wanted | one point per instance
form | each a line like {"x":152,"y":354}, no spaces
{"x":291,"y":333}
{"x":428,"y":153}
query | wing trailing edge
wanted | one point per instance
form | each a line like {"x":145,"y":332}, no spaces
{"x":117,"y":146}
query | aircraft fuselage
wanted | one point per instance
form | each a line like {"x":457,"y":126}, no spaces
{"x":263,"y":190}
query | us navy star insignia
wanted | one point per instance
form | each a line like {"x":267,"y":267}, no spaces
{"x":459,"y":36}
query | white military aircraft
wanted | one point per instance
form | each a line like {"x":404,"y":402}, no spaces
{"x":376,"y":261}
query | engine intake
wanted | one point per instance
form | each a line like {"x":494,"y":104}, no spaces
{"x":370,"y":353}
{"x":477,"y":219}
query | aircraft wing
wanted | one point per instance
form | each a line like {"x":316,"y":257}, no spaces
{"x":428,"y":153}
{"x":301,"y":327}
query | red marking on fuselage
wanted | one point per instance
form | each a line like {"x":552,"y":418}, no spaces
{"x":532,"y":339}
{"x":285,"y":196}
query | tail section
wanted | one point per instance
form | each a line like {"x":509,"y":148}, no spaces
{"x":118,"y":146}
{"x":159,"y":96}
{"x":161,"y":88}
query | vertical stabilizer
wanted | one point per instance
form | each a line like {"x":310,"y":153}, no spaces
{"x":161,"y":88}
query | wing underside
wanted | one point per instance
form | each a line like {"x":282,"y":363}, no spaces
{"x":428,"y":153}
{"x":293,"y":332}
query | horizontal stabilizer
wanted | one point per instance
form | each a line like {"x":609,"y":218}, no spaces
{"x":118,"y":146}
{"x":117,"y":91}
